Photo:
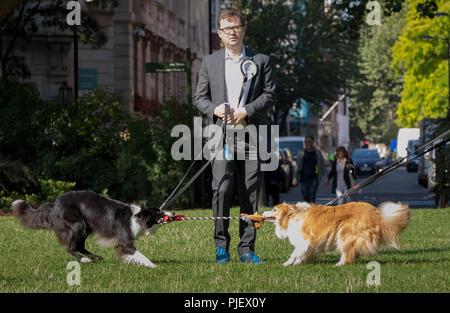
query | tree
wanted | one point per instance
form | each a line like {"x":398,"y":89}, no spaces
{"x":426,"y":88}
{"x":376,"y":91}
{"x":326,"y":48}
{"x":22,"y":19}
{"x":424,"y":63}
{"x":312,"y":49}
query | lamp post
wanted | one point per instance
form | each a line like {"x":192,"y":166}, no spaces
{"x":75,"y":59}
{"x":75,"y":63}
{"x":64,"y":92}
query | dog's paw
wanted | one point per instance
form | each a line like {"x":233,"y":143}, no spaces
{"x":85,"y":260}
{"x":288,"y":262}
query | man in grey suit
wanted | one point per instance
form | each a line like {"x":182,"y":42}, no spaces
{"x":220,"y":88}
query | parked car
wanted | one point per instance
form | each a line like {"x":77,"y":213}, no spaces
{"x":382,"y":163}
{"x":367,"y":161}
{"x":293,"y":143}
{"x":413,"y":162}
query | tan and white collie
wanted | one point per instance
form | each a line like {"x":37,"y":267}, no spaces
{"x":354,"y":229}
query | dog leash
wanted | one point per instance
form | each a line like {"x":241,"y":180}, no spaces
{"x":174,"y":196}
{"x":436,"y":143}
{"x":254,"y":218}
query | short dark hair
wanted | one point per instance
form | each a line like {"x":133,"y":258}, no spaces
{"x":229,"y":14}
{"x":310,"y":137}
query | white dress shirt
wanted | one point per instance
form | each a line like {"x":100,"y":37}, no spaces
{"x":233,"y":77}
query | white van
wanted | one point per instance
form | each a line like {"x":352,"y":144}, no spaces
{"x":404,"y":135}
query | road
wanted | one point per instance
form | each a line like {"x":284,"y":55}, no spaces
{"x":397,"y":186}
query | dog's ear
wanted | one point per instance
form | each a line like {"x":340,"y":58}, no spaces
{"x":145,"y":218}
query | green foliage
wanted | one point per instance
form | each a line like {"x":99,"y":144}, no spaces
{"x":425,"y":91}
{"x":14,"y":176}
{"x":95,"y":143}
{"x":376,"y":91}
{"x":7,"y":200}
{"x":49,"y":191}
{"x":18,"y":104}
{"x":312,"y":51}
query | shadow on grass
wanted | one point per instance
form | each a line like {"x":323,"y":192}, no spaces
{"x":332,"y":259}
{"x":416,"y":251}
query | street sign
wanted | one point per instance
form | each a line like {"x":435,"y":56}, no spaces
{"x":87,"y":78}
{"x":168,"y":67}
{"x":165,"y":67}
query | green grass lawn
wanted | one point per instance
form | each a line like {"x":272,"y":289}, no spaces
{"x":33,"y":261}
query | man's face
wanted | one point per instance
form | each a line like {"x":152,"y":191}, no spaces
{"x":309,"y":144}
{"x":231,"y":32}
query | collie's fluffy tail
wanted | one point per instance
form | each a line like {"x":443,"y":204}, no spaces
{"x":29,"y":217}
{"x":395,"y":219}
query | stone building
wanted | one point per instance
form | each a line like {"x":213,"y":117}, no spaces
{"x":138,"y":32}
{"x":334,"y":126}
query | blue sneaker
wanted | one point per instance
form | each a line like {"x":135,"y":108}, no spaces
{"x":251,"y":257}
{"x":222,"y":255}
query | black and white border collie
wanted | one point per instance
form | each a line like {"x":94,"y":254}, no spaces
{"x":77,"y":214}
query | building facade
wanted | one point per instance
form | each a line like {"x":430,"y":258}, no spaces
{"x":334,"y":126}
{"x":138,"y":32}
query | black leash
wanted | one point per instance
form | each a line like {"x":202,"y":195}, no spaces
{"x":436,"y":143}
{"x":173,"y":197}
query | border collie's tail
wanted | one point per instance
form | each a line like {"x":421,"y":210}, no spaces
{"x":29,"y":217}
{"x":395,"y":219}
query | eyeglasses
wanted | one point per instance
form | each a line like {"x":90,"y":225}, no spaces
{"x":227,"y":30}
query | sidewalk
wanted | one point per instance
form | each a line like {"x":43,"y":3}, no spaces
{"x":294,"y":195}
{"x":400,"y":186}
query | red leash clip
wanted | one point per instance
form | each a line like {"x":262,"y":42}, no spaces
{"x":168,"y":219}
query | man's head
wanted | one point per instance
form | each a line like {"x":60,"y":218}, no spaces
{"x":309,"y":143}
{"x":231,"y":29}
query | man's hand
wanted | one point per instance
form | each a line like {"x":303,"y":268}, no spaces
{"x":239,"y":115}
{"x":219,"y":111}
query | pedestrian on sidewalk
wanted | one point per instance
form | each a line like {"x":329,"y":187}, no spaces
{"x":310,"y":170}
{"x":343,"y":174}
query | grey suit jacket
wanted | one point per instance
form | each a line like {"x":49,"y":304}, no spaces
{"x":211,"y":90}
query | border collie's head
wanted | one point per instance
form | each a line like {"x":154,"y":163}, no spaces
{"x":148,"y":217}
{"x":282,"y":214}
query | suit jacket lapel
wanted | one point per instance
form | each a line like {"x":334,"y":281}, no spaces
{"x":221,"y":75}
{"x":248,"y":55}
